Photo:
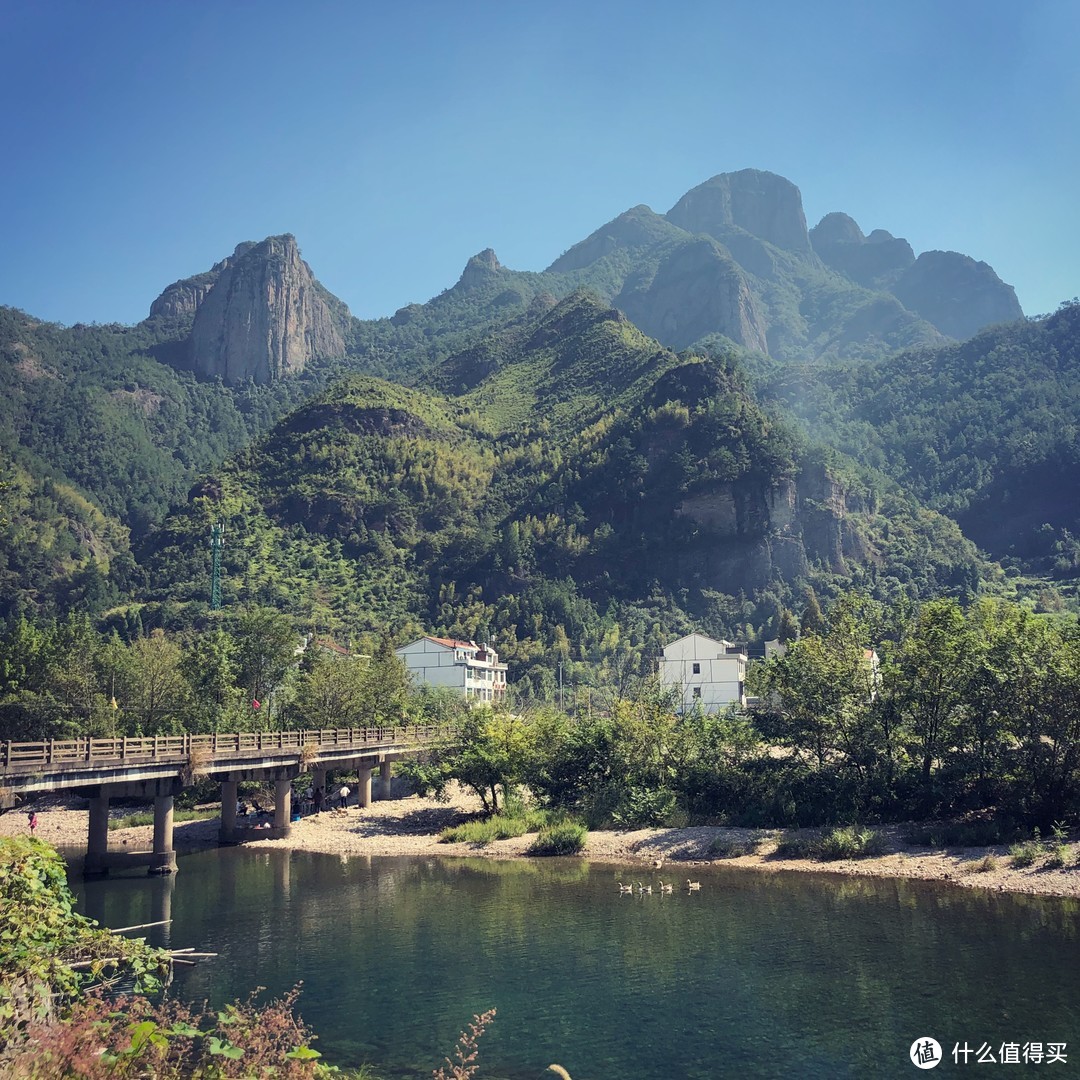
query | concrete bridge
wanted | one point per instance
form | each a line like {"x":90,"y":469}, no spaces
{"x":161,"y":767}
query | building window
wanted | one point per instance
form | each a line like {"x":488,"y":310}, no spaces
{"x":697,"y":692}
{"x":697,"y":668}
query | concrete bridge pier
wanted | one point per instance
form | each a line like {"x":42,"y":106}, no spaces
{"x":163,"y":859}
{"x":282,"y":805}
{"x":384,"y":780}
{"x":363,"y":777}
{"x":229,"y":796}
{"x":96,"y":863}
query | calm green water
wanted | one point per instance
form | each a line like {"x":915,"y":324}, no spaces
{"x":779,"y":975}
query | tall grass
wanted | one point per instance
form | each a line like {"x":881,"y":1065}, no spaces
{"x":845,"y":842}
{"x":516,"y":822}
{"x":559,"y":838}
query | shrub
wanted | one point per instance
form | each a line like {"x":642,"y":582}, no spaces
{"x":560,"y":838}
{"x":1058,"y":857}
{"x":134,"y":1038}
{"x":985,"y":864}
{"x":851,"y":842}
{"x":49,"y":952}
{"x":496,"y":827}
{"x":1025,"y":854}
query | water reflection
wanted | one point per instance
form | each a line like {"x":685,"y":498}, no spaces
{"x":757,"y":975}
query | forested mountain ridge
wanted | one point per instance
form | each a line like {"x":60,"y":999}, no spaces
{"x":987,"y":431}
{"x":587,"y":477}
{"x":103,"y":428}
{"x":97,"y":439}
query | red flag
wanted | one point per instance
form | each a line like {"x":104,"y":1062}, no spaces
{"x":254,"y":703}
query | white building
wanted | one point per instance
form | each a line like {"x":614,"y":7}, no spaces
{"x":705,"y":671}
{"x":473,"y":670}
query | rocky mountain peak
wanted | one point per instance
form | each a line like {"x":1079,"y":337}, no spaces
{"x":480,"y":268}
{"x":836,"y":228}
{"x":264,"y":315}
{"x":874,"y":261}
{"x":764,"y":204}
{"x":956,"y":293}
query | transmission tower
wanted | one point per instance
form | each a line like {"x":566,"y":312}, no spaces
{"x":217,"y":542}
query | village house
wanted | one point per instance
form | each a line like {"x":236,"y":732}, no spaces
{"x":707,"y":673}
{"x":472,"y":670}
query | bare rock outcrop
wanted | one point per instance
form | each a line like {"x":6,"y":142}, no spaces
{"x":762,"y":203}
{"x":265,"y":316}
{"x":697,"y":290}
{"x":957,"y":294}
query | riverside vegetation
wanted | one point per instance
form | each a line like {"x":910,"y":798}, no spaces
{"x":875,"y":713}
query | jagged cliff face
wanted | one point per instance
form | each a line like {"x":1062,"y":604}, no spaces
{"x":182,"y":298}
{"x":258,"y":314}
{"x":760,"y":531}
{"x":264,"y":318}
{"x":697,"y":290}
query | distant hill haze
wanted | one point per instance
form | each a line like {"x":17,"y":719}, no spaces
{"x":733,"y":259}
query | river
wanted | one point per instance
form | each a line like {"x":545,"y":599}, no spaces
{"x":755,"y":975}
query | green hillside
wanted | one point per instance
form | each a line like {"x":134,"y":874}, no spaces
{"x":985,"y":431}
{"x":590,"y":491}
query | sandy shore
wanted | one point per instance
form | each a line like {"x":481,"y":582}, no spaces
{"x":409,"y":825}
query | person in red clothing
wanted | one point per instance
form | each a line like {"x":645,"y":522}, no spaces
{"x":32,"y":818}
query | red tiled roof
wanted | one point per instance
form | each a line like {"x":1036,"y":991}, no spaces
{"x":451,"y":643}
{"x":333,"y":646}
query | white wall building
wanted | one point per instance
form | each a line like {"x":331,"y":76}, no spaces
{"x":705,"y":671}
{"x":472,"y":670}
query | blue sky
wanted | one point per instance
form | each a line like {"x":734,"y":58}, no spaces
{"x":145,"y":140}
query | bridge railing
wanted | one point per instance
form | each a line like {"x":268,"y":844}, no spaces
{"x":52,"y":752}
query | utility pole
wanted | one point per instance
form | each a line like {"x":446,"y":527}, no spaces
{"x":217,"y":542}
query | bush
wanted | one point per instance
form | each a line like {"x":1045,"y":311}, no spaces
{"x":496,"y":827}
{"x":1025,"y":854}
{"x":850,"y":842}
{"x":133,"y":1038}
{"x":560,"y":838}
{"x":985,"y":864}
{"x":1058,"y":857}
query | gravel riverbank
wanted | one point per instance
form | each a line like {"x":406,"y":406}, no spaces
{"x":409,"y":825}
